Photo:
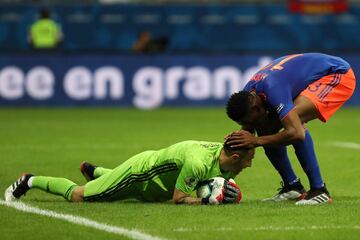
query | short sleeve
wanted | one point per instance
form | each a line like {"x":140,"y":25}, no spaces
{"x":280,"y":99}
{"x":191,"y":173}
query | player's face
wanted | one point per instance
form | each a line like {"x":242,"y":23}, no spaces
{"x":256,"y":113}
{"x":255,"y":116}
{"x":244,"y":160}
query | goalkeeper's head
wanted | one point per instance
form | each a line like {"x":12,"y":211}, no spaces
{"x":237,"y":158}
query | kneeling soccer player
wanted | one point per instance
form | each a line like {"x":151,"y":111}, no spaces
{"x":151,"y":176}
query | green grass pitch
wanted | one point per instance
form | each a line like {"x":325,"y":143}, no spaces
{"x":55,"y":141}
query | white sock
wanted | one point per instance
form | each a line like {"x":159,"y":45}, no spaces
{"x":29,"y":183}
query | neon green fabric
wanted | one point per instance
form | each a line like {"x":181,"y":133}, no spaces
{"x":99,"y":171}
{"x":58,"y":186}
{"x":45,"y":33}
{"x":153,"y":175}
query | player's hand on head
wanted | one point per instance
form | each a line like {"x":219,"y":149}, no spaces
{"x":242,"y":139}
{"x":228,"y":136}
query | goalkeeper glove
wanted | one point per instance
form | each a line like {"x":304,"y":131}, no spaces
{"x":232,"y":192}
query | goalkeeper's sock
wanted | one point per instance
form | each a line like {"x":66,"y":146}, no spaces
{"x":305,"y":152}
{"x":99,"y":171}
{"x":280,"y":160}
{"x":58,"y":186}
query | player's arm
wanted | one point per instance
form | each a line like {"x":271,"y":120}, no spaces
{"x":247,"y":128}
{"x":191,"y":173}
{"x":179,"y":197}
{"x":280,"y":99}
{"x":293,"y":131}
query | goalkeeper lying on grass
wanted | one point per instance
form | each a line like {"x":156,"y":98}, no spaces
{"x":151,"y":176}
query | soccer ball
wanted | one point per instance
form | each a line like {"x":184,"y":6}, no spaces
{"x":214,"y":186}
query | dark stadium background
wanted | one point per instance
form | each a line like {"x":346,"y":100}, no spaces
{"x":84,"y":101}
{"x":202,"y":50}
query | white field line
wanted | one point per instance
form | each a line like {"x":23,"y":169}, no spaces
{"x":350,"y":145}
{"x":269,"y":228}
{"x":133,"y":234}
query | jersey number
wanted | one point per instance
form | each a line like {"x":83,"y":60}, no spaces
{"x":279,"y":66}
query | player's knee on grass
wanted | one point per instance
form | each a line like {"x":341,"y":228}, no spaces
{"x":78,"y":194}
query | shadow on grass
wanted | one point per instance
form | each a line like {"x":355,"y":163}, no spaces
{"x":246,"y":203}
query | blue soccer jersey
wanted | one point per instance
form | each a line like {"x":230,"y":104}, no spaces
{"x":285,"y":78}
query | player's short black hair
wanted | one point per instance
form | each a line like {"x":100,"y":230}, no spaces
{"x":238,"y":105}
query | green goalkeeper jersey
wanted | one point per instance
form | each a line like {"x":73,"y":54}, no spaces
{"x":182,"y":166}
{"x":153,"y":175}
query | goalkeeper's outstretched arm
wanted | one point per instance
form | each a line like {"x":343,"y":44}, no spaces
{"x":179,"y":197}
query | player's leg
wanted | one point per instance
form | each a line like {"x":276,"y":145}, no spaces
{"x":325,"y":96}
{"x":77,"y":194}
{"x":305,"y":153}
{"x":99,"y":171}
{"x":292,"y":187}
{"x":57,"y":186}
{"x":306,"y":109}
{"x":91,"y":172}
{"x":118,"y":184}
{"x":99,"y":188}
{"x":320,"y":100}
{"x":280,"y":161}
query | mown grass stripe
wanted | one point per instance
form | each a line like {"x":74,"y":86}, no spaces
{"x":270,"y":228}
